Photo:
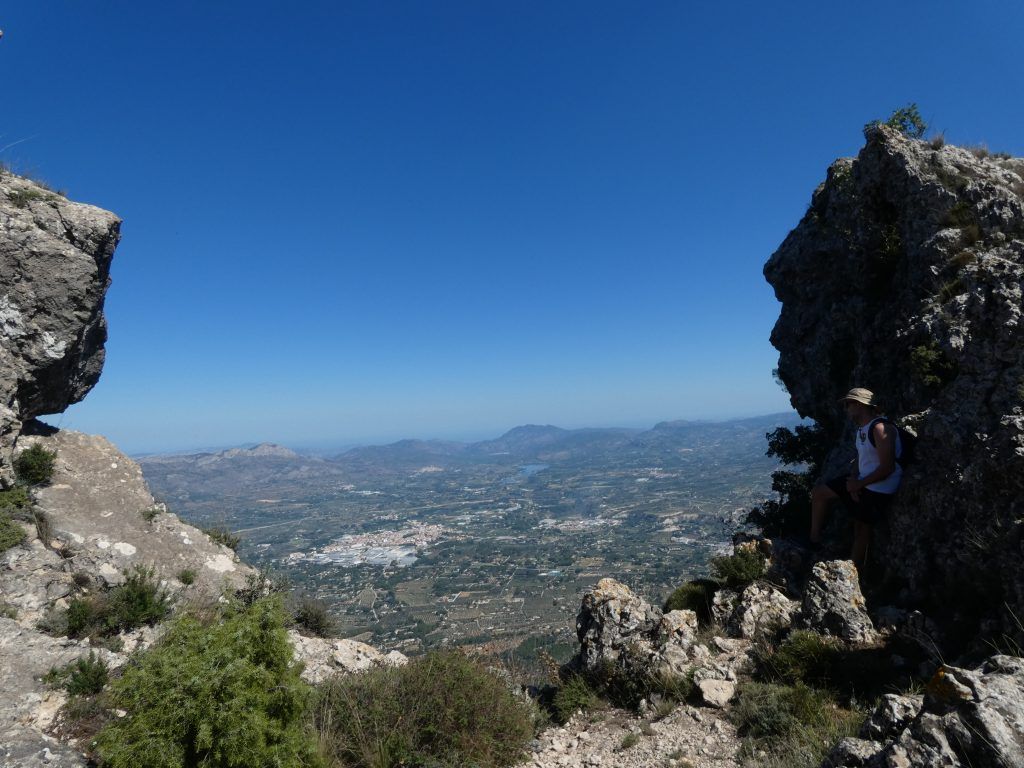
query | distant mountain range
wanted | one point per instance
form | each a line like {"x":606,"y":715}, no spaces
{"x":667,"y":443}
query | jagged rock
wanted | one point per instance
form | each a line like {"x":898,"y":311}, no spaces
{"x":323,"y":658}
{"x":723,"y":604}
{"x":610,"y":620}
{"x":54,"y":271}
{"x":852,"y":753}
{"x":892,"y":714}
{"x":834,"y":605}
{"x":905,"y":276}
{"x":761,"y":610}
{"x":717,"y":693}
{"x":970,"y":719}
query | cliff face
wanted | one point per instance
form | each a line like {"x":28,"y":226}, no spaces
{"x":905,"y":276}
{"x":54,"y":271}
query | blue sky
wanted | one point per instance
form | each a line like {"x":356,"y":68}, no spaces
{"x":351,"y":222}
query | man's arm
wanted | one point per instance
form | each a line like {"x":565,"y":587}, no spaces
{"x":885,"y":444}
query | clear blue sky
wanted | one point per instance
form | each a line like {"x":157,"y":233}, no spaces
{"x":359,"y":221}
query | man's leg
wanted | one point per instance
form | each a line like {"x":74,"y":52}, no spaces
{"x":861,"y":537}
{"x":821,"y":497}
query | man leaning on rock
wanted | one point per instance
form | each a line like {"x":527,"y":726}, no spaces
{"x":868,"y":490}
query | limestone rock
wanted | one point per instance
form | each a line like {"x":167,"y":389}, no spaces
{"x":760,"y":611}
{"x":970,"y":718}
{"x":612,"y":618}
{"x":54,"y":271}
{"x":323,"y":658}
{"x":852,"y":753}
{"x":717,"y":693}
{"x":906,"y":275}
{"x":723,"y":604}
{"x":892,"y":714}
{"x":834,"y":605}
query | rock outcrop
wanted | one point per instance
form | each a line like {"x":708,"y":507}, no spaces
{"x":54,"y":271}
{"x":968,"y":718}
{"x":905,"y":276}
{"x":834,"y":605}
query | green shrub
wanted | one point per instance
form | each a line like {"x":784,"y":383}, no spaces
{"x":805,"y":447}
{"x":311,"y":615}
{"x":738,"y":570}
{"x":795,"y":725}
{"x":930,"y":365}
{"x":11,"y":534}
{"x":187,"y":576}
{"x":149,"y":514}
{"x":628,"y":681}
{"x":629,"y":740}
{"x":907,"y":120}
{"x":34,"y":465}
{"x":15,"y":499}
{"x":139,"y":600}
{"x":803,"y":657}
{"x":439,"y":709}
{"x":219,"y":695}
{"x":8,"y":611}
{"x":573,"y":696}
{"x":697,"y":596}
{"x":19,"y":198}
{"x":85,"y":676}
{"x":220,"y":534}
{"x":260,"y":584}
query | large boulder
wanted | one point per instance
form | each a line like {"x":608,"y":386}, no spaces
{"x":323,"y":658}
{"x":834,"y":605}
{"x":969,"y":719}
{"x":54,"y":271}
{"x":761,"y":610}
{"x":906,"y":275}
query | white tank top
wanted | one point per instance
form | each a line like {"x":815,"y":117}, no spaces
{"x":868,"y":460}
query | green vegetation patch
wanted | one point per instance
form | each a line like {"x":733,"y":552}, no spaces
{"x":439,"y":709}
{"x":575,"y":695}
{"x":907,"y":120}
{"x":139,"y":600}
{"x":311,"y":615}
{"x":222,"y":535}
{"x":697,"y":596}
{"x":218,"y":695}
{"x":740,"y":569}
{"x":187,"y":576}
{"x":34,"y":465}
{"x":795,"y":725}
{"x":11,"y":534}
{"x":85,"y":676}
{"x":803,"y":657}
{"x":931,"y":366}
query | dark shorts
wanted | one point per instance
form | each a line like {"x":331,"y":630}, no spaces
{"x":870,"y":508}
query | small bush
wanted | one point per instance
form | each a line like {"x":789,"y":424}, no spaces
{"x":795,"y":725}
{"x":15,"y":499}
{"x":907,"y":120}
{"x":311,"y":615}
{"x":930,"y":365}
{"x":187,"y":576}
{"x":34,"y":465}
{"x":139,"y":600}
{"x":19,"y":198}
{"x":738,"y":570}
{"x":803,"y":657}
{"x":697,"y":596}
{"x":573,"y":696}
{"x":8,"y":611}
{"x":217,"y":695}
{"x":220,"y":534}
{"x":628,"y":681}
{"x":938,"y":141}
{"x":259,"y":584}
{"x":86,"y":676}
{"x":629,"y":740}
{"x":11,"y":534}
{"x":149,"y":514}
{"x":439,"y":709}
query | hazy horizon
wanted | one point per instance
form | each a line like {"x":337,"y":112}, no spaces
{"x":330,"y":446}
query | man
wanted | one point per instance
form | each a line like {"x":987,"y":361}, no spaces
{"x":868,"y":491}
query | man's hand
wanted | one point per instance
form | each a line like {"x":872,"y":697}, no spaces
{"x":853,"y":486}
